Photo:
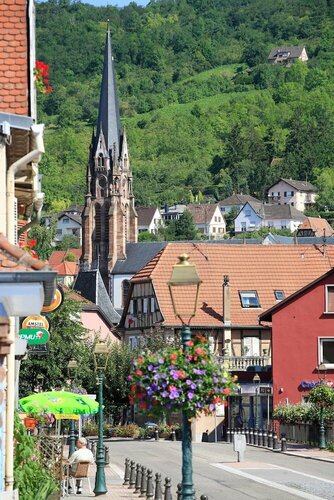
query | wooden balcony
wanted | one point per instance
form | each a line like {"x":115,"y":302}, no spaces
{"x":245,"y":363}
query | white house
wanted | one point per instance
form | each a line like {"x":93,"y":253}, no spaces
{"x":68,"y":223}
{"x":299,"y":194}
{"x":236,"y":201}
{"x":254,"y":216}
{"x":149,"y":219}
{"x":288,"y":55}
{"x":208,"y":219}
{"x":172,"y":212}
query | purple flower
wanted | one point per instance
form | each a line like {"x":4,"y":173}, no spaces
{"x":168,"y":406}
{"x":165,"y":394}
{"x":156,"y":377}
{"x":211,"y":407}
{"x":160,"y":361}
{"x":173,"y":394}
{"x":190,"y":395}
{"x":199,"y":404}
{"x":174,"y":375}
{"x":215,"y":379}
{"x":154,"y":387}
{"x":150,"y":368}
{"x":188,"y":382}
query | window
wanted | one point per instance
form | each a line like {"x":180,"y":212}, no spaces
{"x":66,"y":220}
{"x":152,"y":304}
{"x":134,"y":306}
{"x":243,"y":226}
{"x":326,"y":351}
{"x":145,"y":306}
{"x":279,"y":294}
{"x":59,"y":231}
{"x":247,"y":213}
{"x":249,"y":299}
{"x":329,"y":298}
{"x":283,"y":226}
{"x":285,"y":194}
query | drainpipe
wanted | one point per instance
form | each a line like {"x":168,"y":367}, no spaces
{"x":33,"y":156}
{"x":4,"y":140}
{"x":227,"y":315}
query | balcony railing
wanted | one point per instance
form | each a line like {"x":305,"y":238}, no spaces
{"x":243,"y":363}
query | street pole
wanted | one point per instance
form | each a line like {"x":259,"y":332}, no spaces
{"x":256,"y":417}
{"x":100,"y":478}
{"x":187,"y":467}
{"x":322,"y":438}
{"x":72,"y":438}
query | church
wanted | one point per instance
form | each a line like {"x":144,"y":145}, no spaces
{"x":110,"y":252}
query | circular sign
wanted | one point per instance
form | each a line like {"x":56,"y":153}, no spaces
{"x":35,"y":322}
{"x":56,"y":302}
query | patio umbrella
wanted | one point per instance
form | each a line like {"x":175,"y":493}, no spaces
{"x":59,"y":403}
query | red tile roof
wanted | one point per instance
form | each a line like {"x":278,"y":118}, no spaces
{"x":13,"y":258}
{"x":66,"y":268}
{"x":319,"y":226}
{"x":59,"y":256}
{"x":202,"y":213}
{"x":261,"y":268}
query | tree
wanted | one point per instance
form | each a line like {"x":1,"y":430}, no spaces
{"x":181,"y":229}
{"x":68,"y":241}
{"x":44,"y":236}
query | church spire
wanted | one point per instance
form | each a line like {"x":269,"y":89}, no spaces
{"x":108,"y":119}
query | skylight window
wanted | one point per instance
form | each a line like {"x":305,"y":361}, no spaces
{"x":279,"y":294}
{"x":249,"y":299}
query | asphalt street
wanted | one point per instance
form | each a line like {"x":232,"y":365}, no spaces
{"x":263,"y":474}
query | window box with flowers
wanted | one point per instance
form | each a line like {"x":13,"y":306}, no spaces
{"x":41,"y":73}
{"x":174,"y":380}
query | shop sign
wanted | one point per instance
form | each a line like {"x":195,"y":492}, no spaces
{"x":57,"y":301}
{"x":308,"y":385}
{"x":265,"y":390}
{"x":38,"y":350}
{"x":36,"y":322}
{"x":34,"y":336}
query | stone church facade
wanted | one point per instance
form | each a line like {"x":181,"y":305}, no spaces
{"x":109,"y":218}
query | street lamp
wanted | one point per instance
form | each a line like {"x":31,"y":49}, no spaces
{"x":184,"y":288}
{"x":256,"y":382}
{"x":101,"y":356}
{"x":72,"y":367}
{"x":322,"y":438}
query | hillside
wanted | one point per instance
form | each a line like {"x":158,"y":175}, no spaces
{"x":204,"y":111}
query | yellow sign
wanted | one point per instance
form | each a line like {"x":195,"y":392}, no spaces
{"x":57,"y":301}
{"x":66,"y":416}
{"x":35,"y":322}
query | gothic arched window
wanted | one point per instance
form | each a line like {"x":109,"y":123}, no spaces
{"x":100,"y":160}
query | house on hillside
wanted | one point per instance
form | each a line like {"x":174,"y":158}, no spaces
{"x":149,"y":219}
{"x":236,"y":202}
{"x":172,"y":212}
{"x":299,"y":194}
{"x":304,"y":322}
{"x":239,"y":283}
{"x":66,"y":263}
{"x":68,"y":223}
{"x":315,"y":226}
{"x":208,"y":220}
{"x":254,"y":216}
{"x":288,"y":55}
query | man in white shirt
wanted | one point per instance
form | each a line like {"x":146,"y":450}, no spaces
{"x":81,"y":454}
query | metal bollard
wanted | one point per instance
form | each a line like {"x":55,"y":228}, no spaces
{"x":168,"y":489}
{"x":275,"y":441}
{"x":247,"y":435}
{"x":179,"y":492}
{"x":158,"y":488}
{"x":203,"y":497}
{"x":270,"y":439}
{"x":106,"y":455}
{"x":283,"y":442}
{"x":261,"y":437}
{"x":127,"y":471}
{"x":149,"y":486}
{"x":228,"y":435}
{"x":132,"y":481}
{"x":173,"y":436}
{"x":156,"y":435}
{"x":251,"y":436}
{"x":138,"y":478}
{"x":255,"y":433}
{"x":143,"y":482}
{"x":264,"y":438}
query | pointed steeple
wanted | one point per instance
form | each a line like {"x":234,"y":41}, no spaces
{"x":108,"y":119}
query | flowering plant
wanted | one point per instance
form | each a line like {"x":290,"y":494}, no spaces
{"x":192,"y":381}
{"x":29,"y":248}
{"x":41,"y":73}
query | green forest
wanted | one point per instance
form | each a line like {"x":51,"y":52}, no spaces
{"x":203,"y":109}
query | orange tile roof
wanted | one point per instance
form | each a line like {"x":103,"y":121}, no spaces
{"x":58,"y":256}
{"x":319,"y":226}
{"x":66,"y":268}
{"x":13,"y":258}
{"x":260,"y":267}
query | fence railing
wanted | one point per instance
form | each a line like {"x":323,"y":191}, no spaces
{"x":242,"y":363}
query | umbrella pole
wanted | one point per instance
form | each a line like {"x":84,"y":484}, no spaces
{"x":72,"y":438}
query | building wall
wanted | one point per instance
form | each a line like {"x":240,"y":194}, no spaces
{"x":117,"y":289}
{"x":249,"y":222}
{"x":281,"y":194}
{"x":14,"y":57}
{"x":69,"y":228}
{"x":295,"y":332}
{"x":95,"y":324}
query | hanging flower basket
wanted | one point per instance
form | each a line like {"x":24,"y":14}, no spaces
{"x":173,"y":380}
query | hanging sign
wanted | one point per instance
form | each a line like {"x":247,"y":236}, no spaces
{"x":38,"y":350}
{"x":56,"y":302}
{"x":36,"y":322}
{"x":34,"y":336}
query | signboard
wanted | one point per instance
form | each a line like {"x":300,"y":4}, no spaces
{"x":36,"y":322}
{"x":37,"y":350}
{"x":34,"y":336}
{"x":57,"y":301}
{"x":265,"y":390}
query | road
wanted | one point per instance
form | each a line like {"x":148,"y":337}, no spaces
{"x":262,"y":475}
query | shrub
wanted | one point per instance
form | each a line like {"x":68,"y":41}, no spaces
{"x":126,"y":431}
{"x":91,"y":429}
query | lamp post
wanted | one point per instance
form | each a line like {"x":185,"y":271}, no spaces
{"x":184,"y":288}
{"x":256,"y":382}
{"x":322,"y":437}
{"x":101,"y":355}
{"x":72,"y":370}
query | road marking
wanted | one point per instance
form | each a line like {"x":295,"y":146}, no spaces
{"x":278,"y":486}
{"x":117,"y":470}
{"x":307,"y":475}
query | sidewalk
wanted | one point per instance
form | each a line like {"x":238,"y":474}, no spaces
{"x":306,"y":451}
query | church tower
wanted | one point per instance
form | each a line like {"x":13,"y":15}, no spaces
{"x":109,"y":218}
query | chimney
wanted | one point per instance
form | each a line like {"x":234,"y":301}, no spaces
{"x":226,"y":301}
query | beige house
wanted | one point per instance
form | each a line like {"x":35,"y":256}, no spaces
{"x":208,"y":220}
{"x":149,"y":219}
{"x":298,"y":194}
{"x":288,"y":55}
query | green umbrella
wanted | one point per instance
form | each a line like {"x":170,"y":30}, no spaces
{"x":59,"y":403}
